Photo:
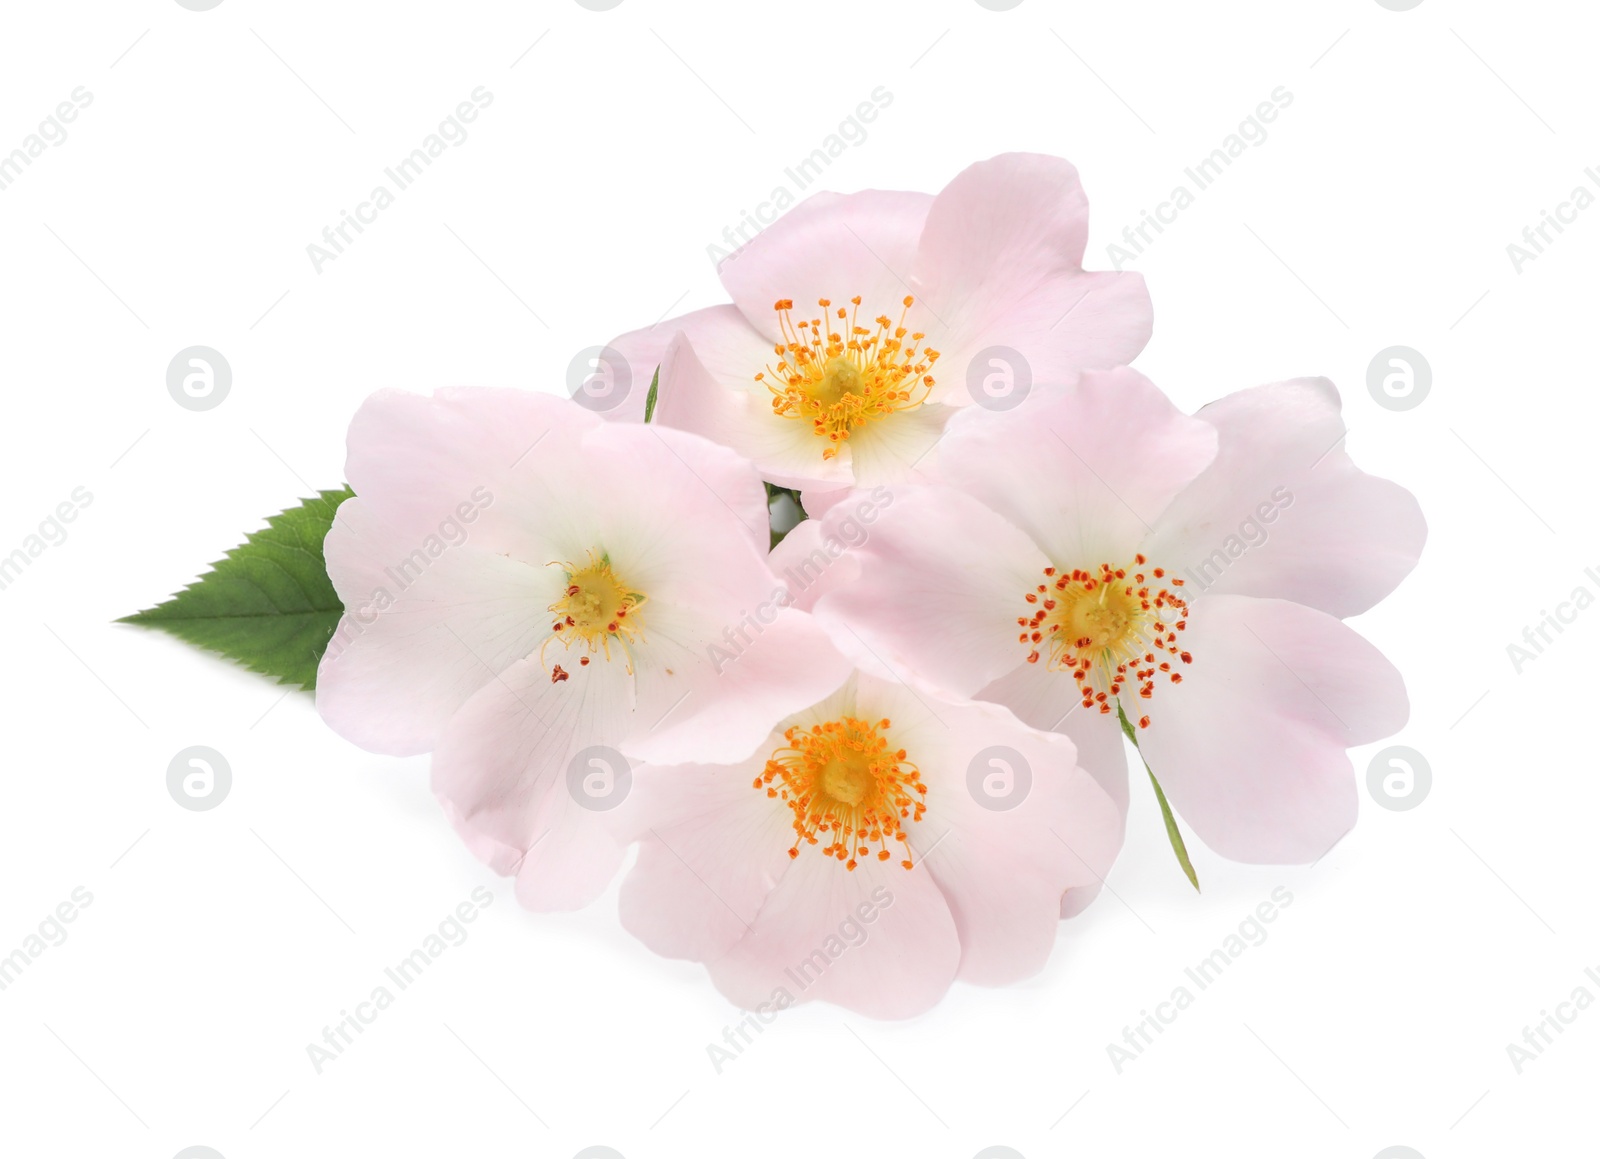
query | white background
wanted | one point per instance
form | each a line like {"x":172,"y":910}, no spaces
{"x":617,"y":147}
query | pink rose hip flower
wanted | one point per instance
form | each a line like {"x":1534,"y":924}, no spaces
{"x":1096,"y":551}
{"x":536,"y":596}
{"x":876,"y":846}
{"x":858,"y":321}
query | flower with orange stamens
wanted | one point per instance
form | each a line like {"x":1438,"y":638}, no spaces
{"x":1095,"y":555}
{"x":860,"y":323}
{"x":877,"y":846}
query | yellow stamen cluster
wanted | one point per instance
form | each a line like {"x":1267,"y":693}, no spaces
{"x":595,"y":608}
{"x":842,"y":781}
{"x":1108,"y":627}
{"x":840,"y":379}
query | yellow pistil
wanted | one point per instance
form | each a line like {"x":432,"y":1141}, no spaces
{"x":840,"y":379}
{"x":595,"y":609}
{"x":840,"y":779}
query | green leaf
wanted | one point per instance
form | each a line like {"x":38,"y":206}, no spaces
{"x":650,"y":399}
{"x":1175,"y":837}
{"x":268,"y":603}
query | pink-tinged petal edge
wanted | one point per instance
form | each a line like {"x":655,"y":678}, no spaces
{"x":879,"y":940}
{"x":920,"y":605}
{"x":1083,"y":470}
{"x":834,"y":246}
{"x":999,"y":265}
{"x":404,"y":659}
{"x":1283,"y":511}
{"x":732,"y":351}
{"x":1250,"y":748}
{"x":1012,"y":823}
{"x":503,"y":769}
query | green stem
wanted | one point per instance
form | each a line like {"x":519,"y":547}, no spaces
{"x":650,"y":399}
{"x":1175,"y":837}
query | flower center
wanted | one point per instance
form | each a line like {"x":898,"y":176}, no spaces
{"x":841,"y":781}
{"x":594,"y":609}
{"x":841,"y":378}
{"x":1112,"y":628}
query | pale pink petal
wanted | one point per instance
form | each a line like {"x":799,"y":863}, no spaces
{"x":878,"y":940}
{"x":571,"y":865}
{"x":711,"y":848}
{"x":1079,"y":898}
{"x":503,"y":468}
{"x":1075,"y":321}
{"x":1250,"y":748}
{"x":784,"y":450}
{"x":423,"y":630}
{"x":634,"y":474}
{"x":733,"y":351}
{"x":832,"y":245}
{"x":1050,"y":701}
{"x":942,"y":584}
{"x":504,"y":766}
{"x":421,"y":460}
{"x":1284,"y":512}
{"x":1025,"y":213}
{"x":891,"y":449}
{"x":1102,"y":754}
{"x":1000,"y":264}
{"x":1085,"y":470}
{"x":811,"y":564}
{"x":503,"y":859}
{"x":1012,"y":823}
{"x":816,"y":501}
{"x":720,"y":701}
